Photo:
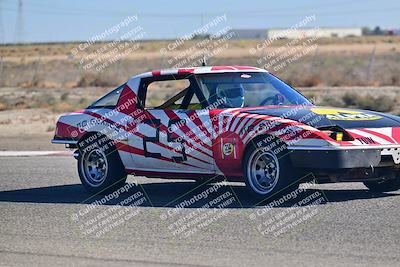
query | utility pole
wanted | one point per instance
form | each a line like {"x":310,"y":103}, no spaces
{"x":1,"y":25}
{"x":19,"y":27}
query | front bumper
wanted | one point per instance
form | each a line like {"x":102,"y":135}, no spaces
{"x":64,"y":141}
{"x":344,"y":157}
{"x":69,"y":143}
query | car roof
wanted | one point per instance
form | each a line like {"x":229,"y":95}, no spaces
{"x":199,"y":70}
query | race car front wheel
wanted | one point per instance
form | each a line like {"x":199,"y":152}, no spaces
{"x":267,"y":169}
{"x":391,"y":183}
{"x":99,"y":165}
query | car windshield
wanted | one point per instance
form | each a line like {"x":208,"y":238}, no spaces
{"x":235,"y":90}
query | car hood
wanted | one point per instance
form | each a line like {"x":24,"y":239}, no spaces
{"x":317,"y":116}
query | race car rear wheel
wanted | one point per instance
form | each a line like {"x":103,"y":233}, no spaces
{"x":267,"y":169}
{"x":99,"y":165}
{"x":388,"y":184}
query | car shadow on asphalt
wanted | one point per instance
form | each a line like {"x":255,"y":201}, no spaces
{"x":180,"y":194}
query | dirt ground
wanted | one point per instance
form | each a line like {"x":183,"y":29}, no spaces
{"x":357,"y":61}
{"x":28,"y":129}
{"x":28,"y":121}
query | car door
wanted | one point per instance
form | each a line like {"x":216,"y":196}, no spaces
{"x":191,"y":141}
{"x":172,"y":136}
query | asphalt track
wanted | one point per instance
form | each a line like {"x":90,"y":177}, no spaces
{"x":46,"y":219}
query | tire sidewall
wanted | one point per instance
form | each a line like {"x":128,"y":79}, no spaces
{"x":285,"y":180}
{"x":116,"y":175}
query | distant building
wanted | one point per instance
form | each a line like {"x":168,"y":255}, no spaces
{"x":391,"y":32}
{"x":380,"y":32}
{"x":288,"y":33}
{"x":313,"y":32}
{"x":249,"y":34}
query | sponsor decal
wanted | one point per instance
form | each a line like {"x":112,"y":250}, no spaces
{"x":366,"y":140}
{"x":344,"y":115}
{"x":227,"y":149}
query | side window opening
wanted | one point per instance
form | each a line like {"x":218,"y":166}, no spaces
{"x":110,"y":100}
{"x":167,"y":94}
{"x":175,"y":102}
{"x":194,"y":103}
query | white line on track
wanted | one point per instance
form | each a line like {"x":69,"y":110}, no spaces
{"x":34,"y":153}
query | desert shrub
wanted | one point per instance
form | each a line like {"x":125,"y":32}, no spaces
{"x":349,"y":100}
{"x":331,"y":101}
{"x":96,"y":80}
{"x":64,"y":96}
{"x":83,"y":100}
{"x":62,"y":107}
{"x":51,"y":128}
{"x":10,"y":103}
{"x":5,"y":122}
{"x":395,"y":80}
{"x":381,"y":103}
{"x":310,"y":81}
{"x":4,"y":103}
{"x":309,"y":95}
{"x":70,"y":105}
{"x":3,"y":106}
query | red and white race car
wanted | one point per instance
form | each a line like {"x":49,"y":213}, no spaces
{"x":236,"y":122}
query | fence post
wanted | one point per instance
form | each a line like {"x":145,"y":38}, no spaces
{"x":1,"y":72}
{"x":371,"y":63}
{"x":35,"y":81}
{"x":313,"y":60}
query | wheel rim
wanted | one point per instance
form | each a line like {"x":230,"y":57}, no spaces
{"x":263,"y":171}
{"x":95,"y":167}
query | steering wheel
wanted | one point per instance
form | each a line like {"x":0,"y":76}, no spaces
{"x":276,"y":100}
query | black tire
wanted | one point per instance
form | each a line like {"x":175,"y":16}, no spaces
{"x":98,"y":155}
{"x":275,"y":151}
{"x":387,"y":185}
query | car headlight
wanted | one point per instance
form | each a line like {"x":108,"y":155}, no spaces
{"x":336,"y":133}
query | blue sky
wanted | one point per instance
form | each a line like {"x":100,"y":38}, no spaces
{"x":73,"y":20}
